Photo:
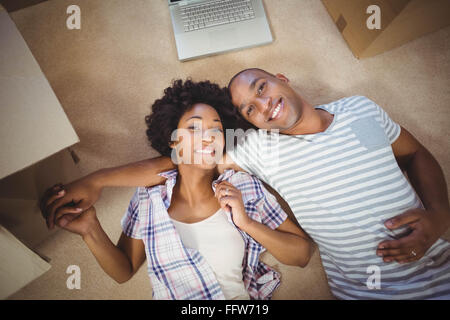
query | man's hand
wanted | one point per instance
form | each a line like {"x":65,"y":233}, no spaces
{"x":69,"y":200}
{"x":427,"y":226}
{"x":230,"y":199}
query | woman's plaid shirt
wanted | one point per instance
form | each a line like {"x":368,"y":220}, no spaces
{"x":177,"y":272}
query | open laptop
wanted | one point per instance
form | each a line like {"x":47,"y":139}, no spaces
{"x":206,"y":27}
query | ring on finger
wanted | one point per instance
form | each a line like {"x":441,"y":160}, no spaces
{"x":413,"y":253}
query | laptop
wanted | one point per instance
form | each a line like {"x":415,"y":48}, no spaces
{"x":207,"y":27}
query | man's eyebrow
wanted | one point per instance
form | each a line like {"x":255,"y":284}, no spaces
{"x":252,"y":85}
{"x":251,"y":88}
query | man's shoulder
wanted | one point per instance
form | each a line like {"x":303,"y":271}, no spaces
{"x":350,"y":104}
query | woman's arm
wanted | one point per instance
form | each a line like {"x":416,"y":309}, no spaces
{"x":288,"y":243}
{"x":85,"y":192}
{"x":120,"y":262}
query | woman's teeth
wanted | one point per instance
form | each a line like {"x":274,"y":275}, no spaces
{"x":204,"y":151}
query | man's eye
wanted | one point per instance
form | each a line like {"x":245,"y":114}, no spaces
{"x":261,"y":88}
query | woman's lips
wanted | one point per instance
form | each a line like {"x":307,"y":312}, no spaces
{"x":207,"y":151}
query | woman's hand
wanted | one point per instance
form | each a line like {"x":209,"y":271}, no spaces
{"x":74,"y":197}
{"x":230,"y":199}
{"x":81,"y":224}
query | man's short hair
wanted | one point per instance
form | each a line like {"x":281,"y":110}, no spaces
{"x":245,"y":70}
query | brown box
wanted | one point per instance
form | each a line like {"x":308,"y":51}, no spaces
{"x":401,"y":21}
{"x":35,"y":135}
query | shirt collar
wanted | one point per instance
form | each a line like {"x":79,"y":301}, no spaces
{"x":171,"y":177}
{"x":223,"y":177}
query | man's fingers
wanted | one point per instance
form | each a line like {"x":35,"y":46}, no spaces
{"x":55,"y":196}
{"x":390,"y":252}
{"x":403,"y":219}
{"x":52,"y":210}
{"x":67,"y":210}
{"x":394,"y":244}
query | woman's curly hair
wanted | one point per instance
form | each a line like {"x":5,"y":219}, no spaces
{"x":179,"y":98}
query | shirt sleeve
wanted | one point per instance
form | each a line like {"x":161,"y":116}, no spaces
{"x":130,"y":221}
{"x":272,"y":215}
{"x":247,"y":154}
{"x":390,"y":127}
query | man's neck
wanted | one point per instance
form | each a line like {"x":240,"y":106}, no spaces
{"x":312,"y":121}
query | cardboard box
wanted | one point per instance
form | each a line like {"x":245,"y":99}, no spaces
{"x":34,"y":136}
{"x":401,"y":21}
{"x":19,"y":264}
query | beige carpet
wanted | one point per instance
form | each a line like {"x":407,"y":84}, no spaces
{"x":107,"y":74}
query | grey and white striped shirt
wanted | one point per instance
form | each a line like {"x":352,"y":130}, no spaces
{"x":342,"y":185}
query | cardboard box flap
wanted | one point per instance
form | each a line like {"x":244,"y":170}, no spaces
{"x":33,"y":125}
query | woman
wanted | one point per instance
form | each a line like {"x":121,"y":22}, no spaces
{"x":201,"y":234}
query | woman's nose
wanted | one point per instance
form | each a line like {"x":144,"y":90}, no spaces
{"x":207,"y":136}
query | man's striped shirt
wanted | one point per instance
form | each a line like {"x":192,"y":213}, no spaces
{"x":342,"y":185}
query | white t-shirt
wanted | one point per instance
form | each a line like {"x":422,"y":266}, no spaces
{"x":222,"y":246}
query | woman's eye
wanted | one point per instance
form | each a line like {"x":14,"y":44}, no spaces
{"x":249,"y":110}
{"x":195,"y":128}
{"x":261,"y":88}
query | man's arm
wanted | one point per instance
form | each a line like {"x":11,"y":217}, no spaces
{"x":428,"y":180}
{"x":228,"y":163}
{"x":84,"y":192}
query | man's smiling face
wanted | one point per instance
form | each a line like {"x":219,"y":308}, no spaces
{"x":266,"y":101}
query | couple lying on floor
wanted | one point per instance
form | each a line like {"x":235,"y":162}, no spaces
{"x":202,"y":221}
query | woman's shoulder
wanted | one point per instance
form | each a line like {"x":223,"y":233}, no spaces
{"x":248,"y":184}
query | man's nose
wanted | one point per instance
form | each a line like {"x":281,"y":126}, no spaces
{"x":263,"y":104}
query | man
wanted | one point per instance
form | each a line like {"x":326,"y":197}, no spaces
{"x":338,"y":166}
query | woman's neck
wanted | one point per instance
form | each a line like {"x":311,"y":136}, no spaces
{"x":194,"y":184}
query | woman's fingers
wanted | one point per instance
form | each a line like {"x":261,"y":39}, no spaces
{"x":225,"y":202}
{"x":65,"y":220}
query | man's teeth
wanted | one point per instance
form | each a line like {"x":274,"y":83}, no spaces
{"x":277,"y":110}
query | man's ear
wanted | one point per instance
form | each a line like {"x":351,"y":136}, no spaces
{"x":282,"y":77}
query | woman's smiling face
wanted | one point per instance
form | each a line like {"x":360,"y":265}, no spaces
{"x":199,"y":139}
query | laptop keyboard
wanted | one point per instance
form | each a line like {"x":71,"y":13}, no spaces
{"x":214,"y":13}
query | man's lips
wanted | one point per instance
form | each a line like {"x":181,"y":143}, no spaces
{"x":276,"y":110}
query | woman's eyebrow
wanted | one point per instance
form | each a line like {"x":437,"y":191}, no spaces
{"x":194,"y":117}
{"x":198,"y":117}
